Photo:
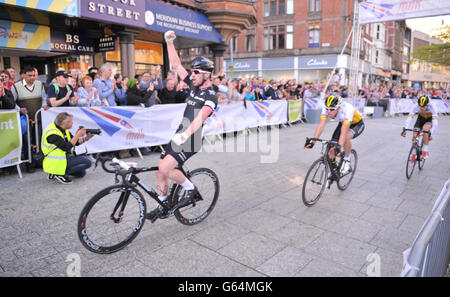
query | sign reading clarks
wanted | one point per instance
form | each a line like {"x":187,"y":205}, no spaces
{"x":128,"y":12}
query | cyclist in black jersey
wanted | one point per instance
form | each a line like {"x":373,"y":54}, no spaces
{"x":187,"y":141}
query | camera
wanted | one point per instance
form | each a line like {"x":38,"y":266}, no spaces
{"x":91,"y":131}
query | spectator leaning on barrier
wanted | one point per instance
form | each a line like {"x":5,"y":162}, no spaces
{"x":57,"y":145}
{"x":60,"y":93}
{"x":106,"y":86}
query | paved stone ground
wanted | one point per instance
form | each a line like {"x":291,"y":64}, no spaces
{"x":259,"y":227}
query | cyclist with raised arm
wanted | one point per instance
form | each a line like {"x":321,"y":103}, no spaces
{"x":350,"y":126}
{"x":187,"y":141}
{"x":427,"y":120}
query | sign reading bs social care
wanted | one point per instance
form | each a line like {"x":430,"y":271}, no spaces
{"x":74,"y":43}
{"x":10,"y":138}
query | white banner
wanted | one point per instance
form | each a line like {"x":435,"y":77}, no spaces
{"x":10,"y":138}
{"x":378,"y":11}
{"x":405,"y":105}
{"x":122,"y":127}
{"x":134,"y":127}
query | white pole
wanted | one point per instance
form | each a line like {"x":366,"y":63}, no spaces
{"x":335,"y":66}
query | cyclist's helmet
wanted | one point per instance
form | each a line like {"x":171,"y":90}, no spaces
{"x":333,"y":101}
{"x":423,"y":101}
{"x":202,"y":63}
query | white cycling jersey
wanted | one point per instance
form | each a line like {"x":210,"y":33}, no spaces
{"x":347,"y":114}
{"x":431,"y":112}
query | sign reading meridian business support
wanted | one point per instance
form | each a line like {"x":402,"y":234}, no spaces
{"x":162,"y":17}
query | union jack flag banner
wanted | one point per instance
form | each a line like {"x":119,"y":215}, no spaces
{"x":378,"y":11}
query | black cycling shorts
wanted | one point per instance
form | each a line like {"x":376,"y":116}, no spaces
{"x":356,"y":129}
{"x":421,"y":121}
{"x":177,"y":152}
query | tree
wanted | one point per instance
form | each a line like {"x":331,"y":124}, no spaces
{"x":436,"y":53}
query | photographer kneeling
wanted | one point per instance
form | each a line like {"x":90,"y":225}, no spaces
{"x":58,"y":145}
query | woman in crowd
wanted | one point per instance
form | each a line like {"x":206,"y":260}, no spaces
{"x":135,"y":96}
{"x":88,"y":94}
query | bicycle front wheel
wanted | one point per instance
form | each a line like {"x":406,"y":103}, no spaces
{"x":411,"y":162}
{"x":345,"y":178}
{"x":208,"y":186}
{"x":315,"y":182}
{"x":111,"y":219}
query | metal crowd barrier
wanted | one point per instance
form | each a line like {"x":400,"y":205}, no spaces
{"x":429,"y":255}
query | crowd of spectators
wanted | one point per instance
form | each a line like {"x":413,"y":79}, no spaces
{"x":100,"y":87}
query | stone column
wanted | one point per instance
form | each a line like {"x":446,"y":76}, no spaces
{"x":218,"y":50}
{"x":127,"y":54}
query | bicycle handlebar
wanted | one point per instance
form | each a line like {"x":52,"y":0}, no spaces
{"x":417,"y":130}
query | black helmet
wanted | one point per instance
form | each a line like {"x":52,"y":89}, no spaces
{"x":202,"y":63}
{"x":333,"y":101}
{"x":423,"y":101}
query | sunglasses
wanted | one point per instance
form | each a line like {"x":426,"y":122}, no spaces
{"x":198,"y":71}
{"x":330,"y":108}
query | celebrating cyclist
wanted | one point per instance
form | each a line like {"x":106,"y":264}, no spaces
{"x":350,"y":126}
{"x":426,"y":121}
{"x":187,"y":141}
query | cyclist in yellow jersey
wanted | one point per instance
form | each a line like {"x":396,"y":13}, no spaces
{"x":427,"y":120}
{"x":350,"y":126}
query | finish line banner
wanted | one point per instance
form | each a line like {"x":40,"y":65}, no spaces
{"x":10,"y":138}
{"x":378,"y":11}
{"x":134,"y":127}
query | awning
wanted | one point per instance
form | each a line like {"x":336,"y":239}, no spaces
{"x":162,"y":16}
{"x":24,"y":36}
{"x":68,"y":7}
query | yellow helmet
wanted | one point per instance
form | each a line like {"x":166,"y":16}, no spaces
{"x":333,"y":101}
{"x":423,"y":101}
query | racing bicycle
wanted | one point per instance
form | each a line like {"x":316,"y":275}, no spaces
{"x":415,"y":153}
{"x":114,"y":216}
{"x":323,"y":172}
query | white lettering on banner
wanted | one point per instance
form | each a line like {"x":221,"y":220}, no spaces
{"x":7,"y":125}
{"x":175,"y":23}
{"x":115,"y":11}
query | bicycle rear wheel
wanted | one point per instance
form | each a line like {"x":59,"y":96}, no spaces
{"x":111,"y":219}
{"x":346,"y":178}
{"x":208,"y":186}
{"x":315,"y":182}
{"x":411,"y":162}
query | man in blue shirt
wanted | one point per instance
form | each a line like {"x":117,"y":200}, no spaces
{"x":106,"y":86}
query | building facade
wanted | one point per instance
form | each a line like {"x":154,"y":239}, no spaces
{"x":294,"y":39}
{"x":128,"y":34}
{"x":423,"y":75}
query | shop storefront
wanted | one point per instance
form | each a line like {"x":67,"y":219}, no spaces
{"x":140,"y":34}
{"x":302,"y":68}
